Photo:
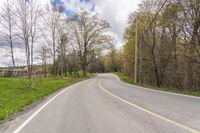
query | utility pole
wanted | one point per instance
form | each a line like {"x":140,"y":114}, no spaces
{"x":140,"y":73}
{"x":136,"y":49}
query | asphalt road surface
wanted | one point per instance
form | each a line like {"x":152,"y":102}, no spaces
{"x":106,"y":105}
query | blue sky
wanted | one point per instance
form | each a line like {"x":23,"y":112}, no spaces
{"x":72,"y":12}
{"x":61,"y":5}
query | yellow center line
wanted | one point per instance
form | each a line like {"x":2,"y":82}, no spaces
{"x":149,"y":112}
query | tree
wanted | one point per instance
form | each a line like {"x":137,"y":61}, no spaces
{"x":169,"y":43}
{"x":27,"y":12}
{"x":89,"y":37}
{"x":190,"y":30}
{"x":8,"y":22}
{"x":43,"y":55}
{"x":52,"y":18}
{"x":63,"y":40}
{"x":35,"y":13}
{"x":129,"y":48}
{"x":113,"y":60}
{"x":22,"y":11}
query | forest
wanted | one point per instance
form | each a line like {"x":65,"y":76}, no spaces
{"x":168,"y":41}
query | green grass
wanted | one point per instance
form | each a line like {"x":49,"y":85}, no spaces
{"x":125,"y":78}
{"x":89,"y":75}
{"x":131,"y":81}
{"x":16,"y":93}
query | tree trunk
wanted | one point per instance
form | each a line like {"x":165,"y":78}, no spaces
{"x":31,"y":54}
{"x":175,"y":56}
{"x":54,"y":52}
{"x":45,"y":69}
{"x":154,"y":59}
{"x":140,"y":72}
{"x":12,"y":54}
{"x":11,"y":44}
{"x":85,"y":60}
{"x":84,"y":71}
{"x":156,"y":70}
{"x":84,"y":66}
{"x":28,"y":61}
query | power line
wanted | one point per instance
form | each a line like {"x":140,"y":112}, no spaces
{"x":155,"y":16}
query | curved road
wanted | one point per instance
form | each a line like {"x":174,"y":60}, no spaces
{"x":106,"y":105}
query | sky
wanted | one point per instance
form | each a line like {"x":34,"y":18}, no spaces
{"x":116,"y":12}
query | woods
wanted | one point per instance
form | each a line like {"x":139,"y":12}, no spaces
{"x":169,"y":48}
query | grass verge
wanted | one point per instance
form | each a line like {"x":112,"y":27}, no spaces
{"x":16,"y":93}
{"x":131,"y":81}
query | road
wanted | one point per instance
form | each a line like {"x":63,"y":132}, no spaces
{"x":106,"y":105}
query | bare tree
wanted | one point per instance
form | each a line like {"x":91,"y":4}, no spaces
{"x":35,"y":13}
{"x":52,"y":18}
{"x":89,"y":37}
{"x":8,"y":22}
{"x":44,"y":55}
{"x":27,"y":12}
{"x":22,"y":11}
{"x":63,"y":40}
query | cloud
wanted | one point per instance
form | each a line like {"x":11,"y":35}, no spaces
{"x":75,"y":5}
{"x":116,"y":12}
{"x":6,"y":59}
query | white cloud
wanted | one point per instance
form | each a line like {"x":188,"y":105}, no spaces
{"x":116,"y":12}
{"x":6,"y":59}
{"x":75,"y":5}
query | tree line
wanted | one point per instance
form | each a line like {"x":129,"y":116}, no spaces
{"x":168,"y":44}
{"x":60,"y":43}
